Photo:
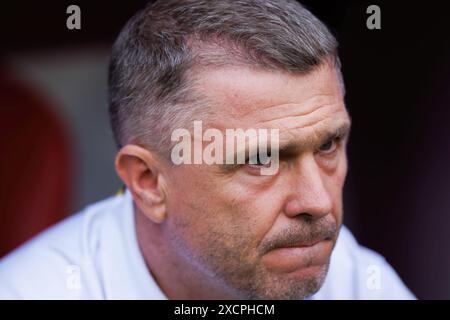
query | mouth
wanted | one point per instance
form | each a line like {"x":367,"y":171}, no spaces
{"x":301,"y":256}
{"x":304,"y":244}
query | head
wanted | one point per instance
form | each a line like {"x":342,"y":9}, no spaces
{"x":228,"y":230}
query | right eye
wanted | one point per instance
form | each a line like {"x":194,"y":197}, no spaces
{"x":256,"y":162}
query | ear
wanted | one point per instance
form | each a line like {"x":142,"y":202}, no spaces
{"x":139,"y":169}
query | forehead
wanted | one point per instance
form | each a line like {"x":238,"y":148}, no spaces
{"x":300,"y":105}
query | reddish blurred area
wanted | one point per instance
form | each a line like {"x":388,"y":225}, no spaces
{"x":34,"y":164}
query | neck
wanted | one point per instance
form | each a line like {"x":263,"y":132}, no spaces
{"x":174,"y":274}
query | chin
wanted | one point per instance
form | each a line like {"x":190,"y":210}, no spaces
{"x":304,"y":282}
{"x":296,"y":285}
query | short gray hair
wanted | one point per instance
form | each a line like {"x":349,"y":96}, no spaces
{"x":150,"y":72}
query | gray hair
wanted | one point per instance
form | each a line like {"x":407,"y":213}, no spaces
{"x":151,"y":69}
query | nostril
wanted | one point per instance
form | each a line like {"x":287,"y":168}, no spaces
{"x":306,"y":217}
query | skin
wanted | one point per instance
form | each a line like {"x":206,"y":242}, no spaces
{"x":227,"y":232}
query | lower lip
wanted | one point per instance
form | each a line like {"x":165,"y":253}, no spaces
{"x":291,"y":259}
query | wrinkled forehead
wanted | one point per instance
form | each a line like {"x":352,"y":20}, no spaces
{"x":298,"y":105}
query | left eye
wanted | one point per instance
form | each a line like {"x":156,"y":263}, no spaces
{"x":328,"y":147}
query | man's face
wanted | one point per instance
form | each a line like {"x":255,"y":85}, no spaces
{"x":265,"y":236}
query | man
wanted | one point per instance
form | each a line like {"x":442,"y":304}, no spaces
{"x":215,"y":230}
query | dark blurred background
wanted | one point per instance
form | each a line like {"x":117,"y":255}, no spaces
{"x":56,"y":148}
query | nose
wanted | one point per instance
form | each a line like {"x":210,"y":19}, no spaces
{"x":309,"y":196}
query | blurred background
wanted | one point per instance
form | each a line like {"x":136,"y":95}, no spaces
{"x":57,"y":151}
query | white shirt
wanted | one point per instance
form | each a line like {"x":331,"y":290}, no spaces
{"x":95,"y":255}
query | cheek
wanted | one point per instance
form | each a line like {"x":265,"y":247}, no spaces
{"x":341,"y":172}
{"x":217,"y":211}
{"x":334,"y":184}
{"x":254,"y":206}
{"x":209,"y":212}
{"x":192,"y":199}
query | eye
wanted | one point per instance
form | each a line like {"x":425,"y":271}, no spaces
{"x":257,"y":162}
{"x":329,"y":147}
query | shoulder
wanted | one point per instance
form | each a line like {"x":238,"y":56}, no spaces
{"x":48,"y":266}
{"x":357,"y":272}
